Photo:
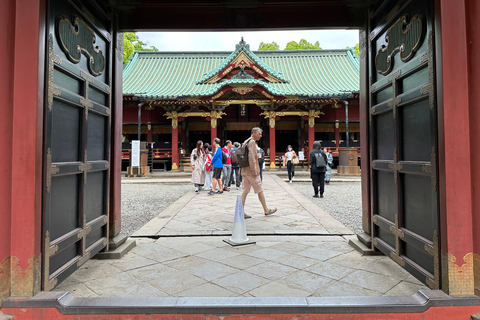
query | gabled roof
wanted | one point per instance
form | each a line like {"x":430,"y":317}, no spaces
{"x":242,"y":52}
{"x":311,"y":74}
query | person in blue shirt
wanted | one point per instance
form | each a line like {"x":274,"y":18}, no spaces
{"x":217,"y":167}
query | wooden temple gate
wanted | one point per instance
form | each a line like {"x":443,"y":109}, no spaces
{"x":420,"y":207}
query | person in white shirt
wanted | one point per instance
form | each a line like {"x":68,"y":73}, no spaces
{"x":288,"y":160}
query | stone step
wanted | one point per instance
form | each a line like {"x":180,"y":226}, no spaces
{"x":118,"y":252}
{"x":363,"y":249}
{"x":365,"y":238}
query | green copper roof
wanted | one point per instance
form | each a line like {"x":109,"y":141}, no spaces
{"x":178,"y":75}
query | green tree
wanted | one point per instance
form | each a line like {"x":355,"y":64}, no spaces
{"x":268,"y":46}
{"x":131,"y":42}
{"x":356,"y":49}
{"x":302,"y":45}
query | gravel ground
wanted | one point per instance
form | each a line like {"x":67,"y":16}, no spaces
{"x":141,"y":202}
{"x":342,"y":200}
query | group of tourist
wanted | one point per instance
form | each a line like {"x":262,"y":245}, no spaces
{"x":214,"y":166}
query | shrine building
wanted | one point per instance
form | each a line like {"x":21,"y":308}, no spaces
{"x":296,"y":97}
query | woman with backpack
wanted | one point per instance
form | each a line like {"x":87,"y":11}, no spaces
{"x":317,"y":162}
{"x":197,"y":161}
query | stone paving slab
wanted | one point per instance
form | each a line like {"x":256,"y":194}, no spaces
{"x":278,"y":266}
{"x":201,"y":214}
{"x":300,"y":251}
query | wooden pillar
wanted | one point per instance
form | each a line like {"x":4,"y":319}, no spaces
{"x":7,"y":24}
{"x":337,"y":129}
{"x":473,"y":34}
{"x":302,"y":136}
{"x":456,"y":181}
{"x":175,"y":155}
{"x":213,"y":132}
{"x":272,"y":142}
{"x":364,"y":133}
{"x":149,"y":133}
{"x":27,"y":137}
{"x":115,"y":213}
{"x":311,"y":132}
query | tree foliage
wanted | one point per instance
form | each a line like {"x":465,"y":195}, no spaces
{"x":302,"y":45}
{"x":268,"y":46}
{"x":131,"y":42}
{"x":356,"y":49}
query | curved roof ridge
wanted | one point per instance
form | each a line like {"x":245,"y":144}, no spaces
{"x":241,"y":46}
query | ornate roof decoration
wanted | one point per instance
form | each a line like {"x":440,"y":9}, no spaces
{"x":242,"y":58}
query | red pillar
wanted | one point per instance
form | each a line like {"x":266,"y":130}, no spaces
{"x":27,"y":128}
{"x":272,"y":143}
{"x":7,"y":24}
{"x":311,"y":133}
{"x":213,"y":130}
{"x":473,"y":34}
{"x":175,"y":157}
{"x":456,"y":181}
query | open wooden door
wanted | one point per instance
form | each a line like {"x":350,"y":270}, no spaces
{"x":403,"y":136}
{"x":77,"y":137}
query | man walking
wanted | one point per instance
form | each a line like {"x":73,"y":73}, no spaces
{"x":251,"y":174}
{"x":227,"y":167}
{"x":317,"y":168}
{"x":217,"y":167}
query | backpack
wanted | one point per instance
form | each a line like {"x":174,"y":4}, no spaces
{"x":233,"y":158}
{"x":242,"y":155}
{"x":224,"y":157}
{"x":320,"y":160}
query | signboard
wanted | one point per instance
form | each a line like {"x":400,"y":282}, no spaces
{"x":301,"y":156}
{"x":135,"y":153}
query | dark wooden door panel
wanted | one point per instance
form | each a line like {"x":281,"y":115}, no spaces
{"x":403,"y":136}
{"x":77,"y":135}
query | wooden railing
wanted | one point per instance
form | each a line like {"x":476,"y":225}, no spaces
{"x":157,"y":153}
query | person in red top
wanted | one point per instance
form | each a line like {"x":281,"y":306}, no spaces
{"x":227,"y":167}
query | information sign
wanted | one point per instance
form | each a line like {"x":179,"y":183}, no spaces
{"x":135,"y":153}
{"x":301,"y":156}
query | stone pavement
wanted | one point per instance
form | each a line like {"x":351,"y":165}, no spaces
{"x":301,"y":251}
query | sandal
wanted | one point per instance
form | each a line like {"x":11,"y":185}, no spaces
{"x":246,"y":216}
{"x":271,"y":211}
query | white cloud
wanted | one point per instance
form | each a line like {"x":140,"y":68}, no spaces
{"x":226,"y":41}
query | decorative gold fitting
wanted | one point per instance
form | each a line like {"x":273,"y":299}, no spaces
{"x":47,"y":253}
{"x":397,"y":232}
{"x":51,"y":169}
{"x":375,"y":219}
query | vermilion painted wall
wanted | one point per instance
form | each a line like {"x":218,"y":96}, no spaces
{"x":7,"y":25}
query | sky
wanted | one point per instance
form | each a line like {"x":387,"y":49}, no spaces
{"x":226,"y":41}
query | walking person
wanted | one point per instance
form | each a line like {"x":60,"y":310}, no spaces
{"x":208,"y":169}
{"x":261,"y":160}
{"x":227,"y":167}
{"x":289,"y":160}
{"x":251,"y":174}
{"x":235,"y":177}
{"x":328,"y":173}
{"x":197,"y":161}
{"x":317,"y":168}
{"x":217,"y":167}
